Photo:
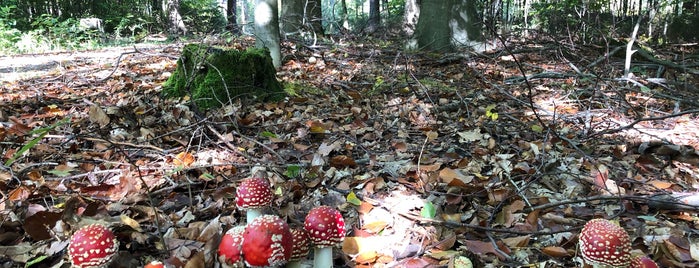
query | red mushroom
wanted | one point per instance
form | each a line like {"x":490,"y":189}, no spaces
{"x":229,"y":250}
{"x":604,"y":243}
{"x":266,"y":242}
{"x":326,"y":228}
{"x":92,"y":246}
{"x":300,"y":248}
{"x":253,"y":194}
{"x":642,"y":262}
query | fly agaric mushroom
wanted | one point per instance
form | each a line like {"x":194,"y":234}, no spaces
{"x":604,"y":243}
{"x":229,"y":250}
{"x":266,"y":242}
{"x":326,"y":228}
{"x":642,"y":262}
{"x":92,"y":246}
{"x":154,"y":264}
{"x":253,"y":194}
{"x":300,"y":248}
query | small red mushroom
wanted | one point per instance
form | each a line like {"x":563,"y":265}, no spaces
{"x":253,"y":194}
{"x":266,"y":242}
{"x":229,"y":250}
{"x":642,"y":262}
{"x":326,"y":228}
{"x":300,"y":248}
{"x":92,"y":246}
{"x":604,"y":243}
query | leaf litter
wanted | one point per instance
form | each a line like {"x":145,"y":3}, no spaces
{"x":444,"y":161}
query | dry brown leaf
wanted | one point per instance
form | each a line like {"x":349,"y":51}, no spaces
{"x":375,"y":227}
{"x":556,"y":252}
{"x":98,"y":116}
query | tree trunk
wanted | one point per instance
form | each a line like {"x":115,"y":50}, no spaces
{"x":231,"y":16}
{"x":314,"y":15}
{"x":343,"y":15}
{"x":267,"y":29}
{"x":432,"y":31}
{"x":374,"y":16}
{"x":292,"y":16}
{"x":444,"y":25}
{"x":411,"y":14}
{"x":174,"y":23}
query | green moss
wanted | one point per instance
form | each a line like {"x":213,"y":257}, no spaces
{"x":212,"y":77}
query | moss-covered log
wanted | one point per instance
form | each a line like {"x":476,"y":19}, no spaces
{"x":212,"y":77}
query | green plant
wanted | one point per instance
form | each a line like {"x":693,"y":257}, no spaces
{"x":9,"y":36}
{"x":203,"y":16}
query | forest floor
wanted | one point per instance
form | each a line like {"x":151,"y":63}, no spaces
{"x":434,"y":160}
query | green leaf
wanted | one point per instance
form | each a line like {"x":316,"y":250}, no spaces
{"x":352,"y":199}
{"x":537,"y":128}
{"x":428,"y":211}
{"x":292,"y":171}
{"x":60,"y":173}
{"x":268,"y":134}
{"x":35,"y":261}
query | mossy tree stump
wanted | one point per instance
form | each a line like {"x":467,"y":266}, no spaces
{"x":213,"y":77}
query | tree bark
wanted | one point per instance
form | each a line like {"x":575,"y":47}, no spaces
{"x":410,"y":16}
{"x":267,"y":29}
{"x":231,"y":16}
{"x":374,"y":16}
{"x":314,"y":15}
{"x":292,"y":16}
{"x":174,"y":23}
{"x":444,"y":25}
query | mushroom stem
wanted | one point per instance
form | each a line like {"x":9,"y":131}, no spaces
{"x":323,"y":257}
{"x":252,"y":213}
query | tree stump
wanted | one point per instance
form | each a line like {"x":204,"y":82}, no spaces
{"x":213,"y":77}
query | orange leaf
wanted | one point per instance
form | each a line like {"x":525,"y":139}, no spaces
{"x":183,"y":159}
{"x":341,"y":161}
{"x":660,"y":184}
{"x":556,"y":252}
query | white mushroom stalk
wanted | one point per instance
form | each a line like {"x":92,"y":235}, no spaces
{"x":326,"y":228}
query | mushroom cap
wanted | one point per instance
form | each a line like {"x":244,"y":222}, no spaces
{"x":92,"y":246}
{"x":230,"y":248}
{"x":254,"y":193}
{"x":301,"y":245}
{"x":325,"y":226}
{"x":604,"y":243}
{"x":643,"y":262}
{"x":267,"y":242}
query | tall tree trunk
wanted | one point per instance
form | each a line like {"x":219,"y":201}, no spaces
{"x":231,"y":16}
{"x":432,"y":31}
{"x":314,"y":15}
{"x":267,"y":29}
{"x":411,"y":14}
{"x":292,"y":16}
{"x":174,"y":23}
{"x":374,"y":16}
{"x":444,"y":25}
{"x":343,"y":15}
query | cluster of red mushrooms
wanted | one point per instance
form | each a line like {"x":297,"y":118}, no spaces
{"x":606,"y":244}
{"x":266,"y":240}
